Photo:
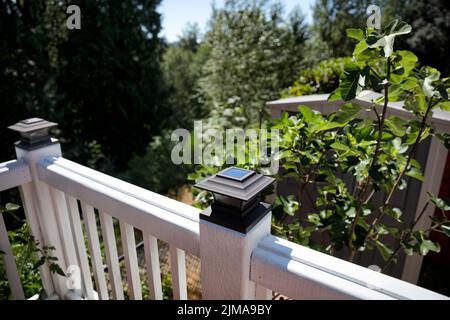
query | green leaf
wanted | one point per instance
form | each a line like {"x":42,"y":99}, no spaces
{"x":353,"y":80}
{"x":347,"y":113}
{"x":55,"y":268}
{"x":356,"y":34}
{"x":445,"y":229}
{"x":428,"y":87}
{"x":307,"y":113}
{"x":438,"y":202}
{"x":360,"y":48}
{"x":395,"y":213}
{"x":12,"y":207}
{"x":335,"y":95}
{"x":340,"y":146}
{"x":385,"y":251}
{"x":289,"y":204}
{"x":445,"y":139}
{"x":444,"y":105}
{"x":386,"y":41}
{"x":415,"y":173}
{"x":396,"y":125}
{"x":428,"y":245}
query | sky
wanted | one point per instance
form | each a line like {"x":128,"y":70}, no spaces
{"x":177,"y":13}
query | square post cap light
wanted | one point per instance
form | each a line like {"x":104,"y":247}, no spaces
{"x":237,"y":198}
{"x":34,"y":132}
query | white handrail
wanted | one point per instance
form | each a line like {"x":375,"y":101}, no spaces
{"x":169,"y":220}
{"x":14,"y":173}
{"x":303,"y":273}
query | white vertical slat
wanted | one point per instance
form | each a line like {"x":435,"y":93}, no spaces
{"x":64,"y":226}
{"x":10,"y":263}
{"x":30,"y":207}
{"x":262,"y":293}
{"x":131,"y":262}
{"x":178,"y":268}
{"x":153,"y":268}
{"x":94,"y":249}
{"x":106,"y":223}
{"x":80,"y":247}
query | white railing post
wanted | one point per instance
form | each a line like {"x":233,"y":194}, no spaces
{"x":230,"y":229}
{"x":45,"y":208}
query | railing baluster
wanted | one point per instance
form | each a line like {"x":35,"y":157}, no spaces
{"x":153,"y":268}
{"x":131,"y":262}
{"x":112,"y":259}
{"x":78,"y":238}
{"x":178,"y":268}
{"x":10,"y":263}
{"x":94,"y":249}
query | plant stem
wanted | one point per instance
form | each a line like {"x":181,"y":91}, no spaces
{"x":405,"y":236}
{"x":361,"y":195}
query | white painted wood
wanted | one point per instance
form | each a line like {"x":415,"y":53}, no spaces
{"x":152,"y":218}
{"x":262,"y":293}
{"x":64,"y":228}
{"x":78,"y":238}
{"x":153,"y":267}
{"x":319,"y":102}
{"x":29,"y":204}
{"x":131,"y":262}
{"x":112,"y":258}
{"x":433,"y":173}
{"x":178,"y":269}
{"x":94,"y":250}
{"x":303,"y":273}
{"x":45,"y":212}
{"x":13,"y":174}
{"x":10,"y":264}
{"x":225,"y":257}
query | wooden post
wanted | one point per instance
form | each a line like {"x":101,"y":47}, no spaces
{"x":225,"y":256}
{"x":45,"y":208}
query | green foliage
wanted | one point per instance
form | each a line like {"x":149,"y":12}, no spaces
{"x":155,"y":170}
{"x":166,"y":284}
{"x":29,"y":256}
{"x":322,"y":78}
{"x":102,"y":83}
{"x":378,"y":153}
{"x":255,"y":53}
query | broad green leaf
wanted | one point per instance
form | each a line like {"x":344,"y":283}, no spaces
{"x":307,"y":113}
{"x":428,"y":245}
{"x":385,"y":251}
{"x":415,"y":173}
{"x":438,"y":202}
{"x":356,"y":34}
{"x":395,"y":213}
{"x":353,"y":80}
{"x":445,"y":105}
{"x":405,"y":62}
{"x":335,"y":95}
{"x":428,"y":87}
{"x":360,"y":48}
{"x":386,"y":41}
{"x":347,"y":112}
{"x":396,"y":125}
{"x":340,"y":146}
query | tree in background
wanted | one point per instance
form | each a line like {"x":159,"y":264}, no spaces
{"x":182,"y":64}
{"x":255,"y":53}
{"x":102,"y":84}
{"x":430,"y":21}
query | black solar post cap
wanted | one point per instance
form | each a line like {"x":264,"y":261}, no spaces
{"x":237,"y":198}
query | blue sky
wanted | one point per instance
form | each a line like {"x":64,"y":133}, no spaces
{"x":177,"y":13}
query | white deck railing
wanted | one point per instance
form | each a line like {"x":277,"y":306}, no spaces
{"x":234,"y":265}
